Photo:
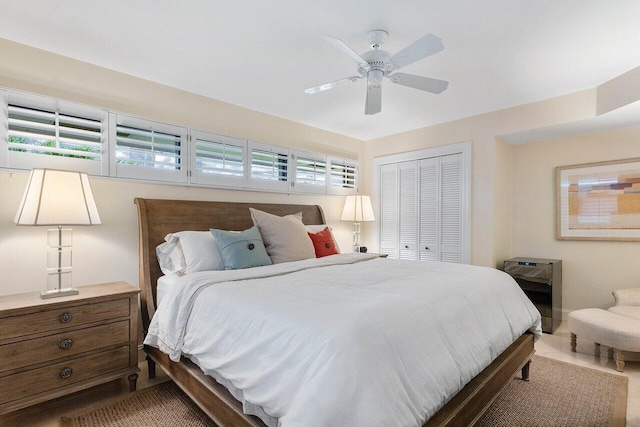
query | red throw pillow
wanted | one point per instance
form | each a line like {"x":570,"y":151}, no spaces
{"x":323,"y":243}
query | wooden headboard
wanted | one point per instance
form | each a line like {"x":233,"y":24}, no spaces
{"x":158,"y":217}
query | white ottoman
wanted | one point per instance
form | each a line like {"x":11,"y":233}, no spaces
{"x":607,"y":328}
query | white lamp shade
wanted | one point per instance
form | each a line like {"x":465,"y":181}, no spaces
{"x":357,"y":209}
{"x":56,"y":197}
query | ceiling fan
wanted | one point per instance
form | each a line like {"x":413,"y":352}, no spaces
{"x":376,"y":64}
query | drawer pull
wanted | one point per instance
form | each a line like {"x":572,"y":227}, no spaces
{"x":66,"y":373}
{"x":65,"y":317}
{"x":66,"y":344}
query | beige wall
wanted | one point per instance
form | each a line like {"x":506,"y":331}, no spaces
{"x":490,"y":175}
{"x":591,"y":269}
{"x":109,"y":252}
{"x":512,"y":206}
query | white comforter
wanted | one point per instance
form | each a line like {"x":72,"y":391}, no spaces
{"x":346,"y":340}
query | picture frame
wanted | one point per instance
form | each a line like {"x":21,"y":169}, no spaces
{"x":599,"y":201}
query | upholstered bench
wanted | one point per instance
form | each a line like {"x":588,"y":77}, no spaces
{"x":627,"y":303}
{"x":604,"y":327}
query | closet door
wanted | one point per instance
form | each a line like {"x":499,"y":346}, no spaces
{"x":429,"y":230}
{"x":451,"y":206}
{"x":408,"y":210}
{"x":389,"y":210}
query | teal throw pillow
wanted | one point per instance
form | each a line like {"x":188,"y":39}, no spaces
{"x":241,"y":249}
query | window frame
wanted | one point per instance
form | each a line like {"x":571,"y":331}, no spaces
{"x":298,"y":186}
{"x":120,"y":170}
{"x":216,"y":179}
{"x":29,"y":160}
{"x":342,"y":191}
{"x":267,"y":184}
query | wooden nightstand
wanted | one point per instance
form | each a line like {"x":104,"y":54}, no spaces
{"x":53,"y":347}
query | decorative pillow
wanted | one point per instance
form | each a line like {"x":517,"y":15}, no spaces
{"x":284,"y":236}
{"x":241,"y":249}
{"x":323,"y":243}
{"x":199,"y":250}
{"x":316,"y":228}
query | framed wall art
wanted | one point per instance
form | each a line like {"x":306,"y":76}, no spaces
{"x":599,"y":201}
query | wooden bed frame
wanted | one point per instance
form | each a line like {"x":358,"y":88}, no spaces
{"x":157,"y":217}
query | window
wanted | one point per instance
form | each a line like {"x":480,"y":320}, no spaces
{"x":343,"y":176}
{"x":310,"y":172}
{"x":43,"y":133}
{"x":218,"y":159}
{"x":269,"y":166}
{"x":147,"y":150}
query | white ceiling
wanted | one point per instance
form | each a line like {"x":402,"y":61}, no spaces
{"x":262,"y":54}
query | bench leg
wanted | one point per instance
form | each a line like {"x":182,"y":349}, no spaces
{"x":573,"y":342}
{"x":620,"y":361}
{"x":596,"y":350}
{"x":610,"y":353}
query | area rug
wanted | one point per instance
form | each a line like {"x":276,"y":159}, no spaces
{"x":558,"y":395}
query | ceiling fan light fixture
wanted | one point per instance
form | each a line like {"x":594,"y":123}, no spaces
{"x":375,"y":64}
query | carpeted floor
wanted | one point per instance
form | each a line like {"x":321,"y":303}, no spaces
{"x":558,"y":395}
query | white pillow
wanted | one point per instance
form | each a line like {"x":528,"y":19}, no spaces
{"x":170,"y":258}
{"x":316,"y":228}
{"x":199,"y":250}
{"x":284,"y":236}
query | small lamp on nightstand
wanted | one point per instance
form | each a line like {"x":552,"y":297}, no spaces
{"x":357,"y":209}
{"x":60,"y":198}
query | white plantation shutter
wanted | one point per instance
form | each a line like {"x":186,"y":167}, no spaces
{"x":343,"y":176}
{"x":451,"y":208}
{"x":146,"y":149}
{"x":310,"y":172}
{"x":41,"y":132}
{"x":389,"y":210}
{"x":218,"y":159}
{"x":44,"y":133}
{"x":269,"y":166}
{"x":408,"y":210}
{"x":429,"y":209}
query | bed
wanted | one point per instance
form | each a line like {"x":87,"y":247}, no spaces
{"x":160,"y":217}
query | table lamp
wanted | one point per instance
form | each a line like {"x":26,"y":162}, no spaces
{"x":357,"y":209}
{"x":58,"y":198}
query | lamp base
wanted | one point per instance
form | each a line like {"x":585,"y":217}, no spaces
{"x":54,"y":293}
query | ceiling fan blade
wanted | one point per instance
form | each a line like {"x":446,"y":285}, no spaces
{"x":331,"y":85}
{"x":352,"y":53}
{"x":374,"y":99}
{"x":418,"y":82}
{"x":420,"y":49}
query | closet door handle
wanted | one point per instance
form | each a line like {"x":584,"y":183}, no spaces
{"x":406,"y":246}
{"x":426,"y":248}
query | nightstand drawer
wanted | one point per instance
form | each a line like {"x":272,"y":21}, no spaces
{"x":51,"y":320}
{"x":30,"y":383}
{"x":64,"y":344}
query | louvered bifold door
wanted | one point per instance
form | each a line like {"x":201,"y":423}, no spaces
{"x":408,"y":210}
{"x":451,"y":208}
{"x":429,"y":230}
{"x":389,"y":210}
